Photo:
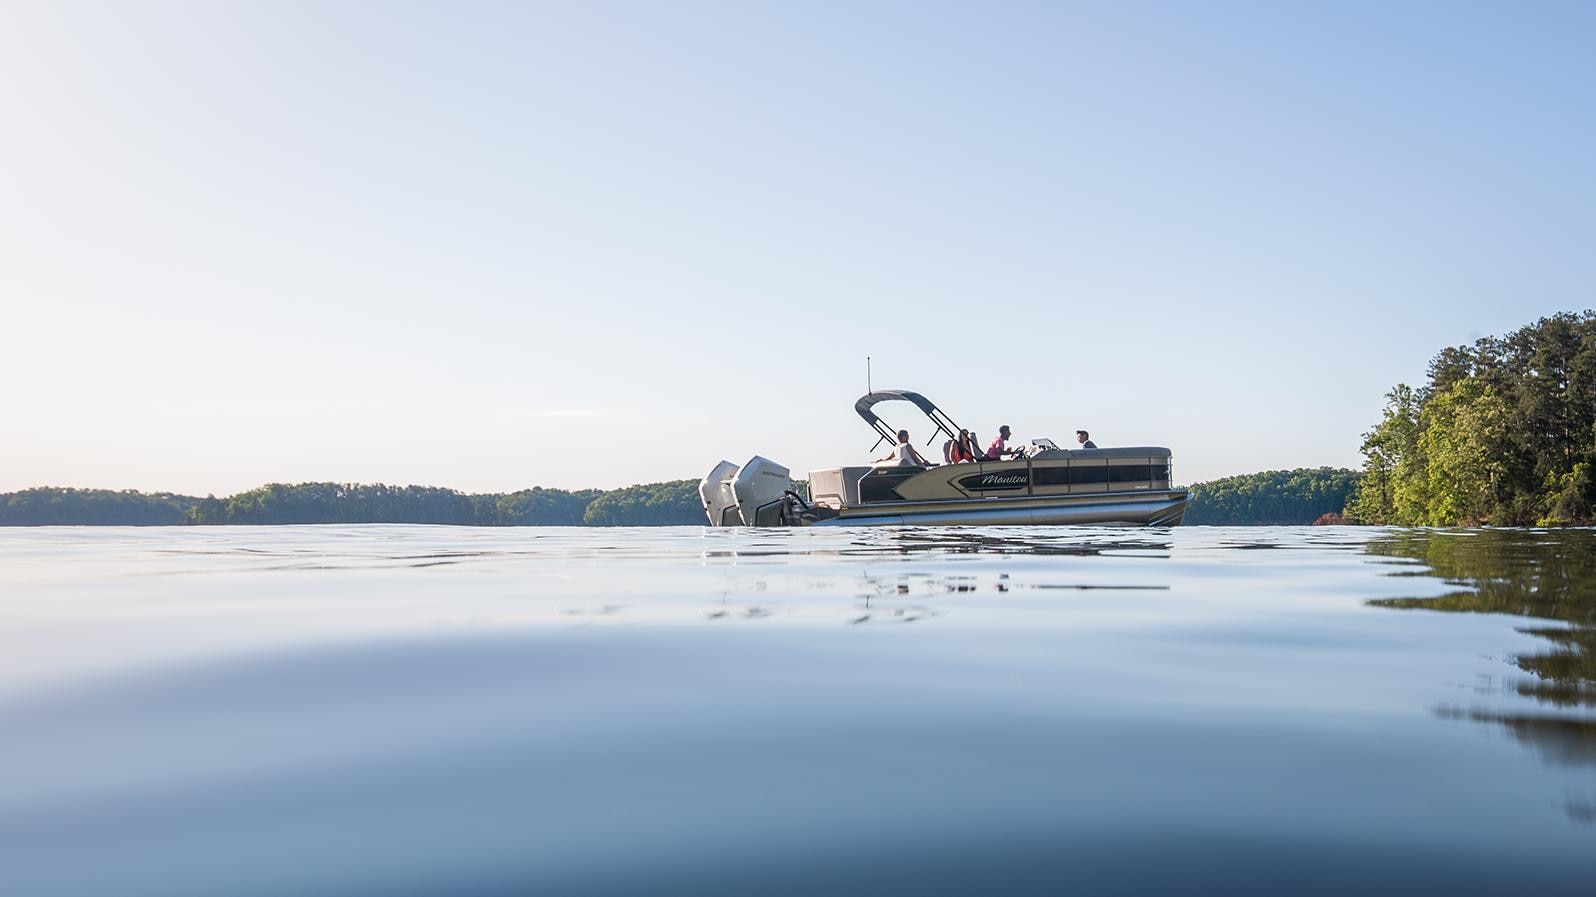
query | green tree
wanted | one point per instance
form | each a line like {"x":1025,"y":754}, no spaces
{"x":1504,"y":433}
{"x":1271,"y":498}
{"x":675,"y":503}
{"x":1463,"y":441}
{"x":50,"y":506}
{"x":1391,"y":459}
{"x":543,"y":507}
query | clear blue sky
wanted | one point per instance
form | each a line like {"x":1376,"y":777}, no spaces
{"x":497,"y":245}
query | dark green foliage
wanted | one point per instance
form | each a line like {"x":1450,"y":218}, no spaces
{"x":48,"y":506}
{"x":346,"y":503}
{"x":656,"y":504}
{"x":543,"y":507}
{"x":1274,"y":497}
{"x":1504,"y":433}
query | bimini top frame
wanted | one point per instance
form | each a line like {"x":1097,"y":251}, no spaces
{"x":888,"y":434}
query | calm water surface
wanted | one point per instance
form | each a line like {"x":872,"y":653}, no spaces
{"x":392,"y":710}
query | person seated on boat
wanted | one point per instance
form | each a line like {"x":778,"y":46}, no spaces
{"x":1085,"y":439}
{"x":903,"y":454}
{"x":1000,"y":445}
{"x":963,"y":449}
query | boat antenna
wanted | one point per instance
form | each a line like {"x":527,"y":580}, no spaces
{"x":868,"y":388}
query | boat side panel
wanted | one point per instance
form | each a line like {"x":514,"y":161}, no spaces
{"x":1167,"y":511}
{"x":997,"y":478}
{"x":965,"y":481}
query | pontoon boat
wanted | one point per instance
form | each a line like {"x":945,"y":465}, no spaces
{"x":1043,"y":485}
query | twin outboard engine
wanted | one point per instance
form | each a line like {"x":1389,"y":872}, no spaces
{"x":755,"y":494}
{"x":716,"y":492}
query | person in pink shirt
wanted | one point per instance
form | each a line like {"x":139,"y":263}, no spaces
{"x":1000,"y":445}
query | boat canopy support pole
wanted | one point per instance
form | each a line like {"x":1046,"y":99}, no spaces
{"x":885,"y":433}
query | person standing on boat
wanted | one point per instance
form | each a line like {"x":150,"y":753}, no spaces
{"x":903,"y":454}
{"x":1000,"y":445}
{"x":1085,"y":439}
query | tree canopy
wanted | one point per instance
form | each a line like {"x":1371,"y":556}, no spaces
{"x":47,"y":506}
{"x":1503,"y":433}
{"x":654,"y":504}
{"x":1271,"y":498}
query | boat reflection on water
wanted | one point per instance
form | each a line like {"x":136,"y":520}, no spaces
{"x":1042,"y":542}
{"x":1058,"y":541}
{"x":1545,"y":575}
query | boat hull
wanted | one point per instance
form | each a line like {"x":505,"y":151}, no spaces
{"x":1165,"y":507}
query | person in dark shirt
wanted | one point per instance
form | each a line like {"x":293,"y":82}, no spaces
{"x":1085,"y":439}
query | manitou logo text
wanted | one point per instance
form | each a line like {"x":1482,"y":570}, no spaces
{"x":988,"y":482}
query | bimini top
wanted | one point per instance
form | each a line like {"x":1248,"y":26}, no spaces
{"x":943,"y":423}
{"x":870,"y":400}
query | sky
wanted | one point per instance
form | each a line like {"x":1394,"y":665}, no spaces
{"x":497,"y":245}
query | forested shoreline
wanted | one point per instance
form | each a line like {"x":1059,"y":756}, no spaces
{"x":1282,"y":497}
{"x":1502,"y":434}
{"x":651,"y":504}
{"x":1273,"y":498}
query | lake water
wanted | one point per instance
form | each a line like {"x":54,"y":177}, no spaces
{"x":396,"y":710}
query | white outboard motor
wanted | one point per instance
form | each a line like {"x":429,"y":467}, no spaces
{"x":715,"y":490}
{"x":761,"y":490}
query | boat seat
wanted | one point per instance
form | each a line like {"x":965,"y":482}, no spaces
{"x":837,"y":485}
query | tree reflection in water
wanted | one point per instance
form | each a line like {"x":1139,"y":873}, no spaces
{"x":1548,"y":575}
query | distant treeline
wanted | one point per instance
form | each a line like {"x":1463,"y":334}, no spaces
{"x":95,"y":507}
{"x":653,"y":504}
{"x":1504,"y":433}
{"x":1271,"y":498}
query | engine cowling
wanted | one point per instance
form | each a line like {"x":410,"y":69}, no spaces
{"x":715,"y":490}
{"x":760,"y":488}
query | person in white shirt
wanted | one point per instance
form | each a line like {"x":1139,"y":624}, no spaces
{"x":903,"y":454}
